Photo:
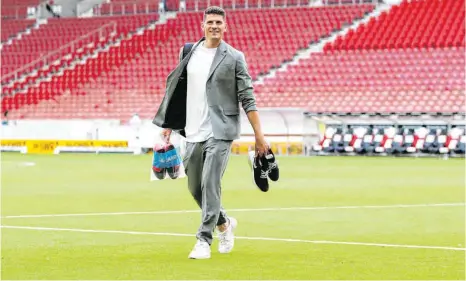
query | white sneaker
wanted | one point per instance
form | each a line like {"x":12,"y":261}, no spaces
{"x":227,"y":238}
{"x":201,"y":250}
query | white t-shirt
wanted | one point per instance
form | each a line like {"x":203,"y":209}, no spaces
{"x":198,"y":126}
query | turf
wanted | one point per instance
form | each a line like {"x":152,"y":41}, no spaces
{"x":69,"y":184}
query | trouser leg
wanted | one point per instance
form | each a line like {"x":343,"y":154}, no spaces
{"x":205,"y":167}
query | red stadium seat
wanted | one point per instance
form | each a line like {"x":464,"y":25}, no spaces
{"x":10,"y":28}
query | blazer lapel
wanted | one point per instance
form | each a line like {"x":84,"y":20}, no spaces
{"x":180,"y":71}
{"x":185,"y":61}
{"x":172,"y":81}
{"x":219,"y":56}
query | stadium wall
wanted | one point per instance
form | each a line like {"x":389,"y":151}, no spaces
{"x":283,"y":129}
{"x":289,"y":132}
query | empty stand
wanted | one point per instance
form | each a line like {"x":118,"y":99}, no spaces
{"x":131,"y":77}
{"x":26,"y":3}
{"x":122,"y":7}
{"x":199,"y":5}
{"x":347,"y":2}
{"x":125,"y":7}
{"x":17,"y":9}
{"x":27,"y":55}
{"x":412,"y":24}
{"x":10,"y":28}
{"x":375,"y":81}
{"x":67,"y":55}
{"x":409,"y":60}
{"x":59,"y":32}
{"x":47,"y":89}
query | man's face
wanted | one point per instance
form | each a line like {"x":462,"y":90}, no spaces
{"x":214,"y":26}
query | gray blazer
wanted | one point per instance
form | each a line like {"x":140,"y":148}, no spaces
{"x":228,"y":85}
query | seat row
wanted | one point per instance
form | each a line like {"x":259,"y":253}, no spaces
{"x":388,"y":140}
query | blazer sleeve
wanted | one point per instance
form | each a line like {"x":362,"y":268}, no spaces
{"x":244,"y":86}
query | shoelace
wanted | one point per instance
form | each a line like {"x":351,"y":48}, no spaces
{"x":223,"y":237}
{"x":272,"y":165}
{"x":264,"y":174}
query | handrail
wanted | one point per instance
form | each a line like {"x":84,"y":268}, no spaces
{"x":52,"y":56}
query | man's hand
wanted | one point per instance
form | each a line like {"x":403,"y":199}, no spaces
{"x":166,"y":135}
{"x":262,"y":147}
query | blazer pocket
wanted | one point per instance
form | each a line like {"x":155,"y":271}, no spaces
{"x":226,"y":65}
{"x":224,"y":68}
{"x":231,"y":111}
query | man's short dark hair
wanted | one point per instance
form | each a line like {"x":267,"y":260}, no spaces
{"x":214,"y":10}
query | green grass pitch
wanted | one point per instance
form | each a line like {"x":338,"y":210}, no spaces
{"x":142,"y":246}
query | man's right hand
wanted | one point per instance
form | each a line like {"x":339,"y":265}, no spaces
{"x":166,"y":135}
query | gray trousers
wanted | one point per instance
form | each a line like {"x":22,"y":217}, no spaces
{"x":205,"y":163}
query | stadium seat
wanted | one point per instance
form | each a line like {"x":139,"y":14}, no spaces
{"x":391,"y":141}
{"x":10,"y":28}
{"x":17,"y":9}
{"x":461,"y":145}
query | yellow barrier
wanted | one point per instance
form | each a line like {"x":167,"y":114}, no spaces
{"x":17,"y":143}
{"x":279,"y":148}
{"x":48,"y":146}
{"x":41,"y":146}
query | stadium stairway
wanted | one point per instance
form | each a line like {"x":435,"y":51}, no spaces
{"x":319,"y":46}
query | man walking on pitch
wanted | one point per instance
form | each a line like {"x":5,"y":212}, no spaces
{"x":202,"y":104}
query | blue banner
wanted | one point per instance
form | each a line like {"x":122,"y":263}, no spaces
{"x":167,"y":159}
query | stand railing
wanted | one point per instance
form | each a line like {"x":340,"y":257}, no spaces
{"x":104,"y":31}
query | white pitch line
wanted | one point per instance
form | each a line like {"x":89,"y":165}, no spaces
{"x":237,"y":237}
{"x":239,"y":210}
{"x":20,"y":164}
